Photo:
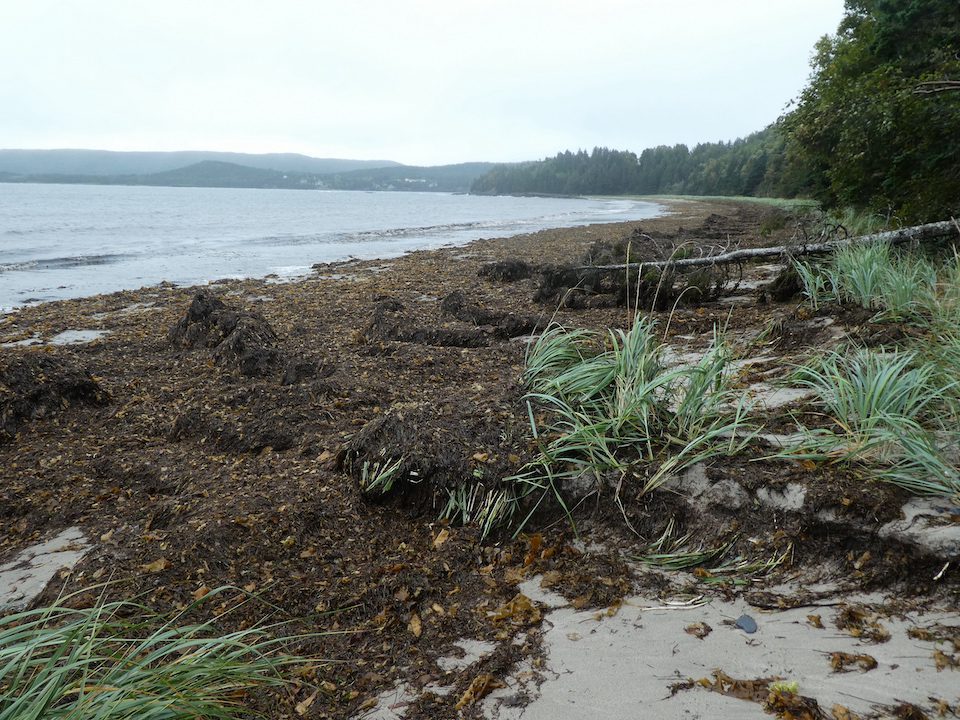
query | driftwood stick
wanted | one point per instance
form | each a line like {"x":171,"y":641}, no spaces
{"x":937,"y":86}
{"x":894,"y":237}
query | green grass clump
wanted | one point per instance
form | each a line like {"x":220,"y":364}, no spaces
{"x":819,"y":285}
{"x":854,"y":222}
{"x":378,"y":477}
{"x":860,"y":271}
{"x":897,"y":285}
{"x":119,"y":660}
{"x":488,"y":508}
{"x":615,"y":410}
{"x":862,"y":388}
{"x":908,"y":288}
{"x":884,"y":406}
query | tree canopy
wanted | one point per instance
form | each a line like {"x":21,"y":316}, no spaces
{"x":873,"y":140}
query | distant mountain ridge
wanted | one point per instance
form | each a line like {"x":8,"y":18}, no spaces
{"x":68,"y":167}
{"x":109,"y":162}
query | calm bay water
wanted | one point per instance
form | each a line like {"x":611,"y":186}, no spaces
{"x":64,"y":241}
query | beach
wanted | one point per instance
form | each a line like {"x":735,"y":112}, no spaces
{"x":186,"y":467}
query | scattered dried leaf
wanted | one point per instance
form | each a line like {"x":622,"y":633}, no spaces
{"x":519,"y":611}
{"x":514,"y":575}
{"x":908,"y":711}
{"x":861,"y":623}
{"x":699,"y":630}
{"x":841,"y":712}
{"x":304,"y":705}
{"x":944,"y":661}
{"x":753,"y":690}
{"x":844,"y":662}
{"x":481,"y":686}
{"x":415,"y":626}
{"x":441,"y":538}
{"x":550,"y":579}
{"x":158,"y":565}
{"x":535,"y":542}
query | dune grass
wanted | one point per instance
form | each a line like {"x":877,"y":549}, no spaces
{"x":896,"y":411}
{"x":120,"y":660}
{"x":613,"y":410}
{"x":887,"y":410}
{"x":898,"y":285}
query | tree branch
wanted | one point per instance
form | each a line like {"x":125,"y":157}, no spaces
{"x":893,"y":237}
{"x":937,"y":86}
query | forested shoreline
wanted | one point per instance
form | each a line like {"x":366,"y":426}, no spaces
{"x":877,"y":128}
{"x":754,"y":165}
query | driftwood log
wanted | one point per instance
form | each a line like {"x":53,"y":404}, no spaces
{"x":893,"y":237}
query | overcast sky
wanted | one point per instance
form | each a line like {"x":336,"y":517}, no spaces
{"x":420,"y":82}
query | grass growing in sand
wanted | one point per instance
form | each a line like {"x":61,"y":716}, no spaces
{"x":120,"y":660}
{"x":894,"y":411}
{"x":898,"y":285}
{"x":612,"y":410}
{"x":884,"y":408}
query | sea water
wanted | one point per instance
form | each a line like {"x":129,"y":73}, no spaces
{"x":65,"y":241}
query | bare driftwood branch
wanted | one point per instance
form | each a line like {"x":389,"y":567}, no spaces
{"x":937,"y":86}
{"x":894,"y":237}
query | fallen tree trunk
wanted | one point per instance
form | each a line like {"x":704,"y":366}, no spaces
{"x":893,"y":237}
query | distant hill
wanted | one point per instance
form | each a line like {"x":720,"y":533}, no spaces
{"x":106,"y":162}
{"x":212,"y":173}
{"x":208,"y":173}
{"x":217,"y":173}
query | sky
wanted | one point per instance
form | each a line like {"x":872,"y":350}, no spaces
{"x":421,"y":82}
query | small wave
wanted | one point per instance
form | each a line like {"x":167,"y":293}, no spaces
{"x":422,"y":230}
{"x":312,"y":239}
{"x":60,"y":263}
{"x":56,"y":229}
{"x":361,"y":236}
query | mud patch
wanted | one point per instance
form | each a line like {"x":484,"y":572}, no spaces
{"x":298,"y":371}
{"x":785,"y":286}
{"x":510,"y":270}
{"x":589,"y":285}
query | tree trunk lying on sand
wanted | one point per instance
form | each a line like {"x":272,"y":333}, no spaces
{"x":894,"y":237}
